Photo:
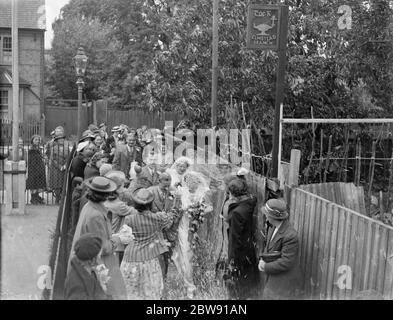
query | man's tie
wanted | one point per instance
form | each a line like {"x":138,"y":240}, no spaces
{"x":270,"y":238}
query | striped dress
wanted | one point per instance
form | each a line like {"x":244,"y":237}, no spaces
{"x":140,"y":266}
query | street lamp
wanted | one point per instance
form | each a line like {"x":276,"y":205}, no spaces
{"x":80,"y":61}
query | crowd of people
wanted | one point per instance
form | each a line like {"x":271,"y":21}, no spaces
{"x":132,"y":216}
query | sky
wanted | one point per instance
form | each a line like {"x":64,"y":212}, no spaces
{"x":52,"y":8}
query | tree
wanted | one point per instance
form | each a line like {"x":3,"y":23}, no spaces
{"x":69,"y":34}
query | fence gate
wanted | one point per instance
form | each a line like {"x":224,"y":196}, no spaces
{"x":45,"y":168}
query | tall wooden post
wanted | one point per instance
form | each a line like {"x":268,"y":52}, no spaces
{"x":214,"y":65}
{"x":282,"y":59}
{"x":15,"y":82}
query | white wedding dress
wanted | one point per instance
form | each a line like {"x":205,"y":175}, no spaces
{"x":182,"y":253}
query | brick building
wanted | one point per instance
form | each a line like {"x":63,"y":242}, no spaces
{"x":31,"y":25}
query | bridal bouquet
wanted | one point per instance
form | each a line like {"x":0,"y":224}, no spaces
{"x":196,"y":213}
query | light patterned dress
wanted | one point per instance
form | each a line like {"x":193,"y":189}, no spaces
{"x":140,"y":266}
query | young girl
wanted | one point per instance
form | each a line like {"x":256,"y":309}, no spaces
{"x":36,"y":178}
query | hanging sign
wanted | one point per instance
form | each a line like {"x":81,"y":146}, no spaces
{"x":263,"y":26}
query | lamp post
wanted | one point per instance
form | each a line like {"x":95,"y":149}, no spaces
{"x":80,"y":61}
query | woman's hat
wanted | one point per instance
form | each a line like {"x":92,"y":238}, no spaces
{"x":115,"y":129}
{"x":105,"y":168}
{"x":82,"y":145}
{"x":101,"y":184}
{"x":87,"y":135}
{"x":88,"y":246}
{"x":276,"y":209}
{"x":142,"y":196}
{"x":117,"y":176}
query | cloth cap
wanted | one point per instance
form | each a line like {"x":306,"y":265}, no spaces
{"x":142,"y":196}
{"x":102,"y":125}
{"x":101,"y":184}
{"x":88,"y":246}
{"x":276,"y":209}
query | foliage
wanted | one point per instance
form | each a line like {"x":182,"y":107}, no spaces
{"x":158,"y":56}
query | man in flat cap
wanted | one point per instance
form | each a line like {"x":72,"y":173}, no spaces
{"x":280,"y":258}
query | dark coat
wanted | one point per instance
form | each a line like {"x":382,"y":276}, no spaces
{"x":151,"y":178}
{"x":80,"y":285}
{"x":241,"y":249}
{"x":78,"y":166}
{"x":123,"y":158}
{"x":36,"y":178}
{"x":91,"y":171}
{"x":240,"y":240}
{"x":283,"y":276}
{"x":58,"y":154}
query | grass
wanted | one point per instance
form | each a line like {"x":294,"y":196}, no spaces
{"x":209,"y":286}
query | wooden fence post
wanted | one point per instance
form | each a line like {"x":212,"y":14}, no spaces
{"x":294,"y":168}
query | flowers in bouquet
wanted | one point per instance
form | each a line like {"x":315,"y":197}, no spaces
{"x":125,"y":234}
{"x":171,"y":233}
{"x":196,"y":213}
{"x":103,"y":276}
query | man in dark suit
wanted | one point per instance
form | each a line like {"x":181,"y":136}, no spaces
{"x":125,"y":154}
{"x":282,"y":270}
{"x":150,"y":172}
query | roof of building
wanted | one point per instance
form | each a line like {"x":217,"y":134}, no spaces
{"x":31,"y":14}
{"x":6,"y":78}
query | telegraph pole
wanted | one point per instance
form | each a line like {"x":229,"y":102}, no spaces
{"x":280,"y":80}
{"x":214,"y":64}
{"x":15,"y":82}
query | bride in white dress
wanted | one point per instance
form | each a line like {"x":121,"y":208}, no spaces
{"x":178,"y":170}
{"x":192,"y":192}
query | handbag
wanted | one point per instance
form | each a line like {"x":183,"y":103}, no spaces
{"x":271,"y":256}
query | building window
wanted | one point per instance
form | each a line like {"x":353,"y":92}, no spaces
{"x":3,"y":101}
{"x":5,"y":50}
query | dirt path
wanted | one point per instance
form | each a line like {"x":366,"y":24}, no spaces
{"x":24,"y":248}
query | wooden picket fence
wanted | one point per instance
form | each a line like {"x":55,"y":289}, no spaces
{"x":342,"y":252}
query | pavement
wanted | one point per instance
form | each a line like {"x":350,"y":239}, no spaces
{"x":25,"y":241}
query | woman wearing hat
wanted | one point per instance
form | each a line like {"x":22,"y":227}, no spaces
{"x":92,"y":168}
{"x":141,"y":266}
{"x":82,"y":280}
{"x":58,"y":154}
{"x":36,"y":177}
{"x":85,"y":150}
{"x":279,"y":260}
{"x":241,"y":250}
{"x":94,"y":219}
{"x":118,"y":207}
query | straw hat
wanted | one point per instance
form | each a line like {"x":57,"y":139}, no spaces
{"x":101,"y":184}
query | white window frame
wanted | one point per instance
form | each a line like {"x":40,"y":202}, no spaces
{"x":2,"y":36}
{"x":4,"y":112}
